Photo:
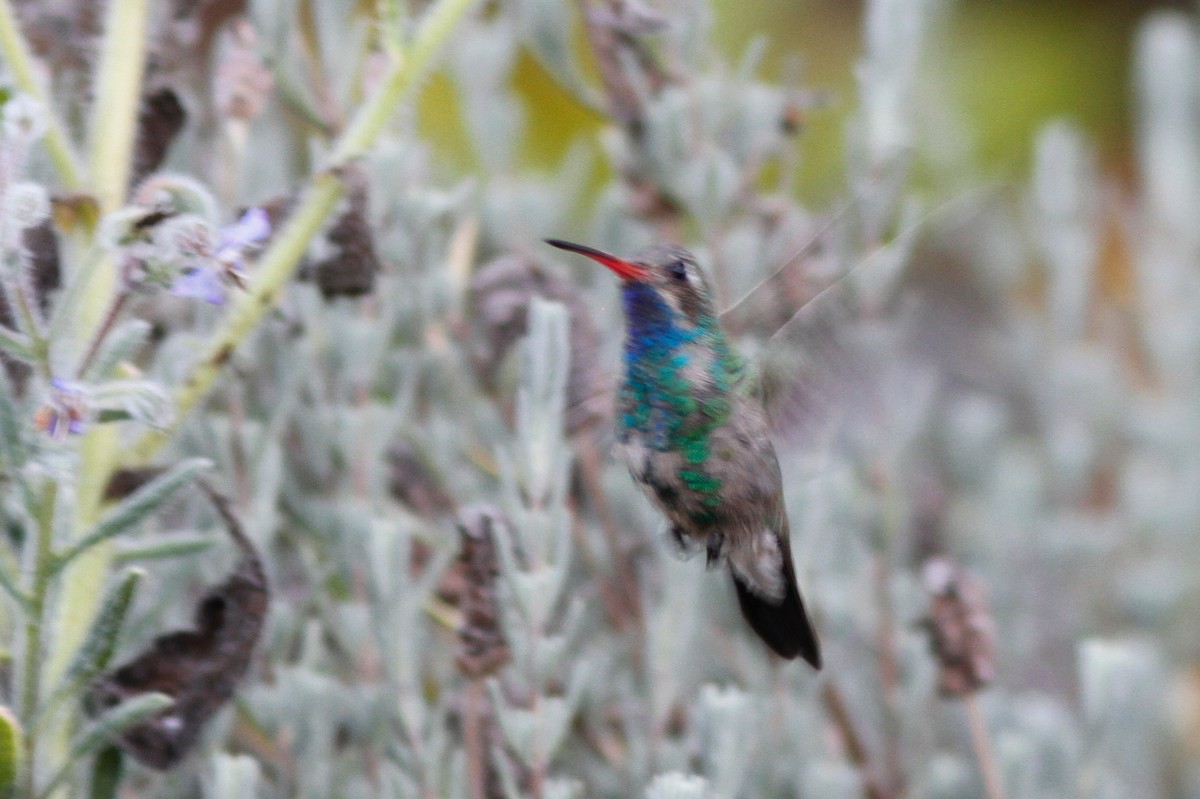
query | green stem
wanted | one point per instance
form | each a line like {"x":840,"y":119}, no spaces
{"x":110,"y":318}
{"x":32,"y":665}
{"x":436,"y":26}
{"x":112,"y":129}
{"x":16,"y":289}
{"x":16,"y":53}
{"x":273,"y":270}
{"x":391,"y":15}
{"x":118,"y":82}
{"x":113,"y":126}
{"x":118,"y":94}
{"x":278,"y":264}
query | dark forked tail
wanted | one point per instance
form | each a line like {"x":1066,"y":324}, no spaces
{"x":785,"y":625}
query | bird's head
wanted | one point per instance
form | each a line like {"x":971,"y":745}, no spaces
{"x":668,"y":270}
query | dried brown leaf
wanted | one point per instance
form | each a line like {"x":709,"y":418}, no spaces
{"x":160,"y":119}
{"x":198,"y":668}
{"x":350,"y":267}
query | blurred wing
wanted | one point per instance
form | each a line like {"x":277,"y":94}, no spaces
{"x":830,"y":375}
{"x":853,"y":369}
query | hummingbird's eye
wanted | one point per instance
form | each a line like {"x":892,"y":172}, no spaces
{"x":678,"y":270}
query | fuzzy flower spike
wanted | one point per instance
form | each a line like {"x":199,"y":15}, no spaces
{"x":66,"y":410}
{"x":209,"y":278}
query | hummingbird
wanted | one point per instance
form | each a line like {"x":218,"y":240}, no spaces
{"x":694,"y":433}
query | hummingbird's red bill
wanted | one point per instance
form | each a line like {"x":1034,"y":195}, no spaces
{"x":626,"y":270}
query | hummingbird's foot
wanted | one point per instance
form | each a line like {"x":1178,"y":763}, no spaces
{"x":716,"y":542}
{"x":684,"y":546}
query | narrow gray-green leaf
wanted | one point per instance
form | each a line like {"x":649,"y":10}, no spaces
{"x":107,"y":727}
{"x":12,"y":446}
{"x":675,"y":785}
{"x":174,"y":546}
{"x":97,"y":648}
{"x":10,"y":588}
{"x":136,"y":506}
{"x":15,"y":344}
{"x":120,"y":345}
{"x":141,"y":400}
{"x":106,"y":773}
{"x":64,"y":317}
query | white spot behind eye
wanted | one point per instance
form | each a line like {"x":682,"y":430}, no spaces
{"x":171,"y":723}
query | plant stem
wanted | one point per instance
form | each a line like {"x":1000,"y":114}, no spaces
{"x":407,"y":70}
{"x":276,"y":266}
{"x":271,"y":273}
{"x":31,"y":670}
{"x":16,"y":53}
{"x":118,"y":94}
{"x":473,"y":740}
{"x":17,"y":291}
{"x":112,"y":129}
{"x":110,"y":318}
{"x":992,"y":782}
{"x":856,"y":749}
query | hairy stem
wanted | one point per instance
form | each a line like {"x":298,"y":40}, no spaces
{"x":18,"y":292}
{"x":110,"y":318}
{"x":405,"y":75}
{"x":112,"y":130}
{"x":17,"y":55}
{"x":31,"y":669}
{"x":279,"y":262}
{"x":992,"y":781}
{"x":118,"y":93}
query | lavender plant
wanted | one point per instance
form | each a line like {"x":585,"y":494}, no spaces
{"x":275,"y":280}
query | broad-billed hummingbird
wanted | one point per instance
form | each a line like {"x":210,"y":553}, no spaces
{"x":694,"y":434}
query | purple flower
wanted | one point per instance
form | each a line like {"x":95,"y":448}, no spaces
{"x":200,"y":282}
{"x":251,"y":229}
{"x":208,"y":277}
{"x":66,"y":411}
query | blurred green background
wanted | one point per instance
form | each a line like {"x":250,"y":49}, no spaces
{"x":1010,"y":65}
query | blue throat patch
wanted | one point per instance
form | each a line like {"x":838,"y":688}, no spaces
{"x":651,"y":321}
{"x":655,"y":395}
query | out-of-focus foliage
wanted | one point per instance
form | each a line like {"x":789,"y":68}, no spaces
{"x":248,"y":261}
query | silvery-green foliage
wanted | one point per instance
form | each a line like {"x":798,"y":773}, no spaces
{"x":883,"y":134}
{"x":1119,"y":687}
{"x":1043,"y":408}
{"x":545,"y":28}
{"x":1039,"y":749}
{"x":1066,"y":208}
{"x":1165,"y":60}
{"x":483,"y":71}
{"x":945,"y":776}
{"x":677,"y":786}
{"x":234,"y":776}
{"x":833,"y":778}
{"x":534,"y":553}
{"x":725,"y":721}
{"x":1167,"y":236}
